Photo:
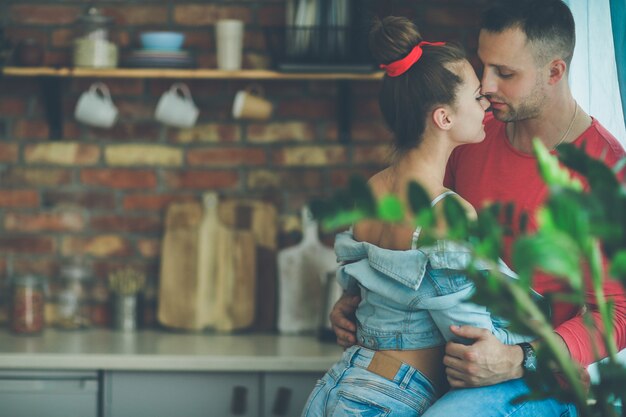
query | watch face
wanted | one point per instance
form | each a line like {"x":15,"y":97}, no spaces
{"x":530,"y":364}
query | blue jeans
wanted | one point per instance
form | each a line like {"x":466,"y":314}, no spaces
{"x":495,"y":401}
{"x":349,"y":389}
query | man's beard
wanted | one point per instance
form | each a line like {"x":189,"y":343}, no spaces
{"x":529,"y":107}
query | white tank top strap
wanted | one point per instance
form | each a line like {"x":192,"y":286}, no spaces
{"x":441,"y":197}
{"x":418,"y":230}
{"x":416,"y":235}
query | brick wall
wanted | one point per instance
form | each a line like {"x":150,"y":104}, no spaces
{"x":102,"y":193}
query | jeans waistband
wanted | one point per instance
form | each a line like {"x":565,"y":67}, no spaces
{"x":384,"y":365}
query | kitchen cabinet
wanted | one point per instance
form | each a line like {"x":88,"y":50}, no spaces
{"x":285,"y":394}
{"x":48,"y":393}
{"x":166,"y":394}
{"x":206,"y":394}
{"x":158,"y":373}
{"x":50,"y":79}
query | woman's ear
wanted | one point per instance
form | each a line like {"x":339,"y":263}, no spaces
{"x":442,"y":118}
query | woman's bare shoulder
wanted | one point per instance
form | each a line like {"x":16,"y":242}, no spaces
{"x":377,"y":232}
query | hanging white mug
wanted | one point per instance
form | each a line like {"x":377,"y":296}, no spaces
{"x":176,"y":107}
{"x":95,"y":107}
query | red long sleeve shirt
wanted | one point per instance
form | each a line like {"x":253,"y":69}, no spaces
{"x":494,"y":171}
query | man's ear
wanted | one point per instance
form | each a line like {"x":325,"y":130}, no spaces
{"x":558,"y":67}
{"x":442,"y":118}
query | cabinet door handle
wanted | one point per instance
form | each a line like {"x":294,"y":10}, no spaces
{"x":239,"y":402}
{"x":281,"y":401}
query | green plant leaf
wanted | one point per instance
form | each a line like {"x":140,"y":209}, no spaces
{"x":568,"y":212}
{"x":343,"y":200}
{"x":618,"y":266}
{"x":390,"y":209}
{"x":550,"y":170}
{"x":611,"y":384}
{"x":456,"y":219}
{"x":596,"y":172}
{"x":418,"y":197}
{"x":321,"y":209}
{"x":574,"y":298}
{"x":523,"y":222}
{"x":488,"y":287}
{"x":489,"y":234}
{"x":610,"y":225}
{"x":419,"y":201}
{"x":509,"y":210}
{"x":362,"y":195}
{"x":343,"y":218}
{"x":553,"y":252}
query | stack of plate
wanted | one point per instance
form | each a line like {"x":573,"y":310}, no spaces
{"x":146,"y":58}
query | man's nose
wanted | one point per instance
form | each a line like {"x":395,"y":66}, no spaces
{"x":488,"y":83}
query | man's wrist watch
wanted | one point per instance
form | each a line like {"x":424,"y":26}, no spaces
{"x":529,"y":363}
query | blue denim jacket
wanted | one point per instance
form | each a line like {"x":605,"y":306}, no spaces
{"x":410,"y":298}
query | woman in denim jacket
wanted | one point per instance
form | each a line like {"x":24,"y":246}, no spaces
{"x":411,"y":295}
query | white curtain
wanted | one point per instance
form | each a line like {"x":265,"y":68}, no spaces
{"x":593,"y":73}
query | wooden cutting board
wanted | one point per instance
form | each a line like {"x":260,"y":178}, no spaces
{"x":209,"y":265}
{"x":179,"y":288}
{"x":235,"y":280}
{"x":261,"y":218}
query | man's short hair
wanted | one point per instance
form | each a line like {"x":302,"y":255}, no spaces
{"x":548,"y":25}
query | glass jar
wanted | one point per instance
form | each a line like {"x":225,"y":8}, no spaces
{"x":27,"y":304}
{"x":73,"y":304}
{"x":92,"y":47}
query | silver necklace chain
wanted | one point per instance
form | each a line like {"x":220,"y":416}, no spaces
{"x":569,"y":128}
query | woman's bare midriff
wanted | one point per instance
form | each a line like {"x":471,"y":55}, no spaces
{"x":427,"y":361}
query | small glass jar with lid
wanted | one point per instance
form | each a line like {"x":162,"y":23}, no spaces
{"x":27,"y":304}
{"x":73,"y":304}
{"x":92,"y":46}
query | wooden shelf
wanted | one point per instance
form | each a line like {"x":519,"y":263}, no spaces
{"x":51,"y":80}
{"x":182,"y":73}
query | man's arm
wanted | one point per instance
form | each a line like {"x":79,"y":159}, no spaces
{"x":584,"y":344}
{"x":486,"y":362}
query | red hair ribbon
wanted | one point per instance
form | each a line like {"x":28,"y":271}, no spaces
{"x":401,"y":66}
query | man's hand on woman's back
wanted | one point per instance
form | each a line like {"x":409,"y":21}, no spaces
{"x":343,"y":320}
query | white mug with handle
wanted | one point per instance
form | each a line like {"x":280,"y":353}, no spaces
{"x":95,"y":107}
{"x":176,"y":107}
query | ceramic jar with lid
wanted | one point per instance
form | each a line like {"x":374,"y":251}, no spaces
{"x":92,"y":46}
{"x":27,"y":304}
{"x":73,"y":308}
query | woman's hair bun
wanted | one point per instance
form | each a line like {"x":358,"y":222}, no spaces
{"x":392,"y":38}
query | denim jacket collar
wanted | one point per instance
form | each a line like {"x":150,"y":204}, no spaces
{"x":404,"y":266}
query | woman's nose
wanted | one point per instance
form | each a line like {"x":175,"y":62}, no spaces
{"x":484,"y":103}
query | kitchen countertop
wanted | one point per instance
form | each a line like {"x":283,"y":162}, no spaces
{"x":154,"y":350}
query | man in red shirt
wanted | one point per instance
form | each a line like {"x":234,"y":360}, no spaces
{"x":526,"y":47}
